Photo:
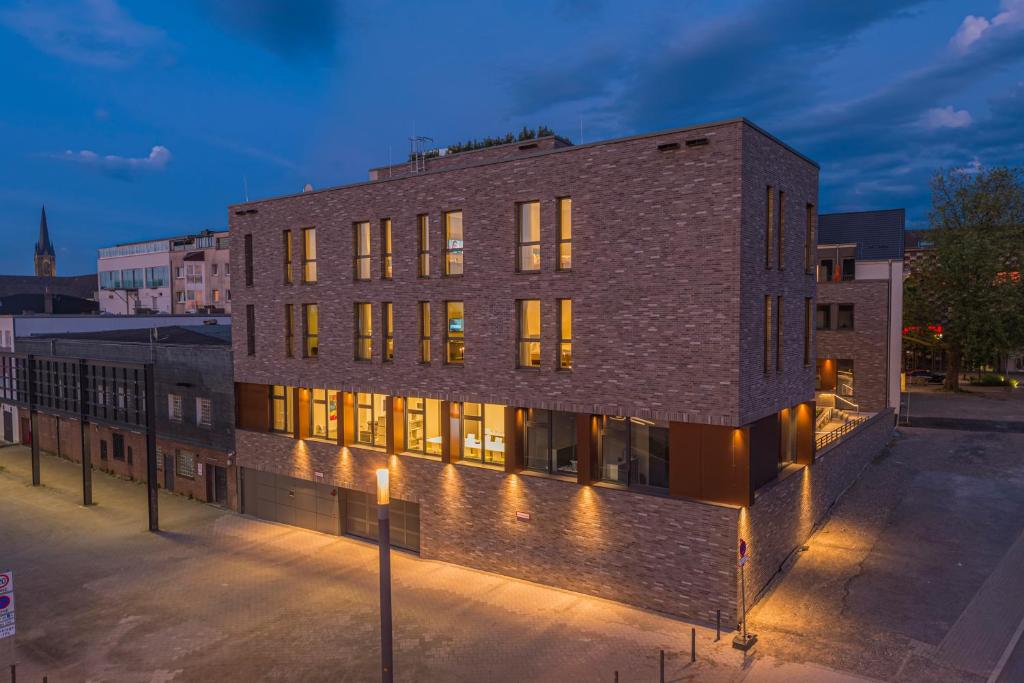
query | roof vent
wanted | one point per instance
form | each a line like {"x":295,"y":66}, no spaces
{"x":696,"y":142}
{"x":668,"y":146}
{"x":529,"y":145}
{"x":307,"y":188}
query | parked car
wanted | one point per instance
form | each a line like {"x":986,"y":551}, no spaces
{"x":923,"y":376}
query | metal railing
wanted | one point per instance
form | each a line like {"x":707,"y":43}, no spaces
{"x":825,"y":438}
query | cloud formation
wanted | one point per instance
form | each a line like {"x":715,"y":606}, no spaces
{"x":94,"y":33}
{"x":946,"y":117}
{"x":292,"y":31}
{"x":125,"y":168}
{"x":972,"y":28}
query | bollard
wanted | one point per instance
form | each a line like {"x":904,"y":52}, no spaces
{"x":718,"y":625}
{"x":661,"y":667}
{"x":693,"y":644}
{"x":616,"y":677}
{"x":14,"y":674}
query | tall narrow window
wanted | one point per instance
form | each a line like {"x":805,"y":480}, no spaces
{"x":453,"y":243}
{"x":767,"y":331}
{"x":364,"y":331}
{"x":423,"y":221}
{"x":423,"y":426}
{"x":424,"y":331}
{"x":565,"y":233}
{"x":311,"y":330}
{"x":281,"y":408}
{"x":387,"y":320}
{"x":309,"y":255}
{"x":323,"y":415}
{"x":287,"y":251}
{"x":782,"y":229}
{"x":529,"y":333}
{"x":455,"y":333}
{"x":808,"y":310}
{"x":361,"y":250}
{"x":528,"y":234}
{"x":289,"y":329}
{"x":250,"y":330}
{"x":778,"y":333}
{"x":769,"y":226}
{"x":371,"y":420}
{"x":823,"y":317}
{"x":809,"y":239}
{"x":565,"y":334}
{"x":385,"y":249}
{"x":248,"y":259}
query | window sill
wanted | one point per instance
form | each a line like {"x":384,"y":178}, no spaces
{"x":568,"y":478}
{"x":319,"y":439}
{"x":421,"y":456}
{"x":366,"y":447}
{"x":481,"y":465}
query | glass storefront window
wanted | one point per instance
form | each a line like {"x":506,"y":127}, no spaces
{"x":371,"y":420}
{"x":324,"y":415}
{"x":281,"y":408}
{"x":483,"y":428}
{"x":634,"y":452}
{"x":551,"y":441}
{"x":423,"y":426}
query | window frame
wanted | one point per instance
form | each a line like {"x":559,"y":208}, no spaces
{"x":310,"y":336}
{"x":523,"y":340}
{"x":424,"y":412}
{"x":175,"y":408}
{"x":520,"y":244}
{"x":387,"y":326}
{"x":780,"y":249}
{"x":386,"y":256}
{"x":769,"y":226}
{"x":630,"y":457}
{"x":424,"y":332}
{"x":324,"y":404}
{"x":561,"y":238}
{"x":289,"y":330}
{"x":809,"y":248}
{"x":827,"y":309}
{"x":288,"y":270}
{"x":839,"y":314}
{"x":372,"y":405}
{"x":551,"y":460}
{"x":363,"y":336}
{"x":362,"y":260}
{"x":286,"y":399}
{"x":423,"y":254}
{"x":188,"y":472}
{"x":779,"y":331}
{"x":482,"y":419}
{"x":564,"y":342}
{"x":248,"y":257}
{"x":449,"y":252}
{"x":204,"y":407}
{"x":451,"y":341}
{"x":250,"y":330}
{"x":310,"y":275}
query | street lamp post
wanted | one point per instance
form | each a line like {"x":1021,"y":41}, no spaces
{"x":384,"y":542}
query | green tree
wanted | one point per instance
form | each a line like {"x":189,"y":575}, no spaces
{"x":972,"y":284}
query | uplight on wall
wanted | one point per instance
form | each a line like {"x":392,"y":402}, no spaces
{"x":383,"y":487}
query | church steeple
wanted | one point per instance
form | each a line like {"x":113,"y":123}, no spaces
{"x":46,"y":259}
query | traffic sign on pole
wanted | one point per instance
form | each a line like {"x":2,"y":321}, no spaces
{"x":6,"y":604}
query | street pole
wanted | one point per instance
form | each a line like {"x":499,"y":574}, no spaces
{"x":744,"y":641}
{"x":384,"y":543}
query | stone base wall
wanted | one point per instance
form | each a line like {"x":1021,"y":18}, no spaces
{"x":665,"y":554}
{"x":785,"y":512}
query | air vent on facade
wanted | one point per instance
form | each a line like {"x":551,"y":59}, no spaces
{"x":668,"y":146}
{"x":529,"y":145}
{"x":696,"y":142}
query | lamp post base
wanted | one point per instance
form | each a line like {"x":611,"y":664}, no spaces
{"x":741,"y":642}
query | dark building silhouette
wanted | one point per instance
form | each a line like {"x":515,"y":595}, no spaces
{"x":46,"y":258}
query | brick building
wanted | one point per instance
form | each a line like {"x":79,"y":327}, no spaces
{"x":581,"y":363}
{"x":859,"y":312}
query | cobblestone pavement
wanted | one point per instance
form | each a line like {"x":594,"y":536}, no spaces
{"x":222,"y":597}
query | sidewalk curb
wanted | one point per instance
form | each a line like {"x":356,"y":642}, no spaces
{"x":1006,"y":654}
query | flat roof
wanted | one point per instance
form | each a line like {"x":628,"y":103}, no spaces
{"x":181,"y":335}
{"x":878,"y":234}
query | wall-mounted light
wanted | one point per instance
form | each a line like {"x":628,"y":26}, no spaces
{"x":383,"y":486}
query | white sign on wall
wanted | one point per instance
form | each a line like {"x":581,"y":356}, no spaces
{"x":6,"y":604}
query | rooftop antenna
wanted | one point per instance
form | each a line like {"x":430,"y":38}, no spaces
{"x":418,"y":148}
{"x":245,"y":184}
{"x":390,"y":170}
{"x":581,"y":130}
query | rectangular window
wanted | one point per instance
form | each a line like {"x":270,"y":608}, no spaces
{"x":767,"y":331}
{"x":782,"y":228}
{"x":323,"y":415}
{"x":423,"y":426}
{"x":849,"y":269}
{"x":809,"y":239}
{"x":825,"y":270}
{"x":565,"y":334}
{"x":387,"y":319}
{"x":248,"y":260}
{"x":564,"y":233}
{"x":424,"y":331}
{"x":823,"y":319}
{"x":483,"y":429}
{"x":250,"y":330}
{"x":844,"y":317}
{"x":289,"y":330}
{"x":769,"y":226}
{"x":179,"y":271}
{"x":423,"y":223}
{"x":361,"y":250}
{"x":216,"y":296}
{"x":808,"y":310}
{"x":550,"y":441}
{"x":281,"y":403}
{"x":529,"y":333}
{"x":778,"y":333}
{"x":103,"y":449}
{"x":454,"y":330}
{"x":453,"y":243}
{"x":186,"y":464}
{"x":287,"y":251}
{"x":174,"y":409}
{"x":204,"y":412}
{"x":213,"y":268}
{"x":364,"y":331}
{"x":528,"y":236}
{"x":385,"y":249}
{"x":311,"y":330}
{"x":634,"y":452}
{"x":371,"y":420}
{"x":309,"y":255}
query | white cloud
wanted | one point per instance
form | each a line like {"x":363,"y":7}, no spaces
{"x":115,"y":165}
{"x":946,"y":117}
{"x":90,"y":32}
{"x":972,"y":168}
{"x":972,"y":28}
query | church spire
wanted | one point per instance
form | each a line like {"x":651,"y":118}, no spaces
{"x":45,"y":259}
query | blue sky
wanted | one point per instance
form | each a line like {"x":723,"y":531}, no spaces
{"x":132,"y":120}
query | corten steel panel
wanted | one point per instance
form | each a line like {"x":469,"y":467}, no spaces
{"x":661,"y":243}
{"x":396,"y":424}
{"x":725,"y":465}
{"x":253,"y":401}
{"x":586,"y":448}
{"x":764,"y":450}
{"x":805,"y":438}
{"x":513,"y":450}
{"x":685,"y":459}
{"x":302,"y":400}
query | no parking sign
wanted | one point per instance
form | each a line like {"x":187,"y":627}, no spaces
{"x":6,"y":604}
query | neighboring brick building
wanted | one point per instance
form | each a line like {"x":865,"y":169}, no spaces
{"x":571,"y":357}
{"x":859,"y":315}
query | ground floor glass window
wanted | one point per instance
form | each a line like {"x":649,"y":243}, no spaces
{"x":281,"y":408}
{"x":324,"y":415}
{"x":634,"y":452}
{"x":550,"y":443}
{"x":423,"y":426}
{"x":483,"y":430}
{"x":371,"y":420}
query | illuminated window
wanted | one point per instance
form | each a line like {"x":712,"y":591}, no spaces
{"x":385,"y":249}
{"x":423,"y":426}
{"x":387,"y":318}
{"x":361,"y":250}
{"x":550,"y":441}
{"x":323,"y":415}
{"x":565,"y":233}
{"x":782,"y":228}
{"x":364,"y":331}
{"x":455,"y":344}
{"x":423,"y":222}
{"x":281,"y":398}
{"x":289,"y":329}
{"x":769,"y":227}
{"x":483,"y":429}
{"x":311,"y":330}
{"x":424,"y":331}
{"x":453,"y":243}
{"x":309,"y":255}
{"x":528,"y":234}
{"x":565,"y":334}
{"x":287,"y":250}
{"x":634,"y":452}
{"x":371,"y":420}
{"x":216,"y":296}
{"x":529,"y":333}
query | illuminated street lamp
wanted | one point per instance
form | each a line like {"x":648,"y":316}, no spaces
{"x":384,"y":542}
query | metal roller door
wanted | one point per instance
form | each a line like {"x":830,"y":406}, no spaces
{"x":361,"y":519}
{"x":291,"y":501}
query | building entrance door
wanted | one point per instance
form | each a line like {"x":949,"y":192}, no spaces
{"x":168,"y":471}
{"x":218,"y":492}
{"x":26,"y":431}
{"x":8,"y":427}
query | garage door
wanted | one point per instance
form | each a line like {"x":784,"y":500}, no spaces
{"x":361,"y":519}
{"x":291,"y":501}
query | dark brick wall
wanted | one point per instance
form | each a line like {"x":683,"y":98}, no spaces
{"x":470,"y":158}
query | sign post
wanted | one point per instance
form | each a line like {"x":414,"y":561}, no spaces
{"x":7,"y":611}
{"x":743,"y":641}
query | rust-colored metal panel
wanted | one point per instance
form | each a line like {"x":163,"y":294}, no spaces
{"x":302,"y":408}
{"x":252,"y":406}
{"x":725,"y":465}
{"x":684,"y":449}
{"x":395,"y":406}
{"x":348,"y":418}
{"x":805,"y":442}
{"x":764,"y":450}
{"x":451,"y":431}
{"x":513,"y":442}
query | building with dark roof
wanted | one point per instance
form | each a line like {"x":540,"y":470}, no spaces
{"x":877,"y":234}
